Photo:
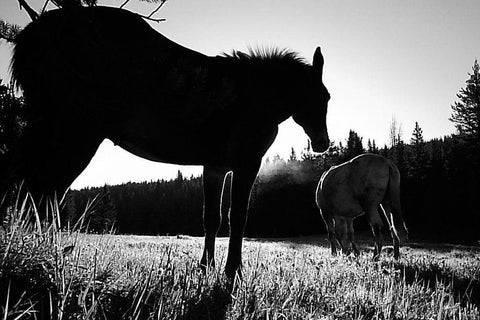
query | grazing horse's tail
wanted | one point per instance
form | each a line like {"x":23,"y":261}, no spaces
{"x":394,"y":195}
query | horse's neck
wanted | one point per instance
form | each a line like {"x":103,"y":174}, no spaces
{"x":266,"y":90}
{"x":275,"y":100}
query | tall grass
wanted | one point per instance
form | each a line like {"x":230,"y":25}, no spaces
{"x":51,"y":271}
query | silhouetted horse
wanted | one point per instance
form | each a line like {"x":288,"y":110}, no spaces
{"x":366,"y":184}
{"x":93,"y":73}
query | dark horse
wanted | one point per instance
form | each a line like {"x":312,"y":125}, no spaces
{"x":93,"y":73}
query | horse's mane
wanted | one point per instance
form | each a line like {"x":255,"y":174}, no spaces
{"x":262,"y":54}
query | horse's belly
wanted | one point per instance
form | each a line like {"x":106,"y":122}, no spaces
{"x":176,"y":149}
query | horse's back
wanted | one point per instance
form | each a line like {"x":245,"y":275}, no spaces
{"x":352,"y":187}
{"x":334,"y":193}
{"x":82,"y":49}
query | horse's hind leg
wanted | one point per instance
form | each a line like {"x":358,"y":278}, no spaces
{"x":341,"y":233}
{"x":376,"y":223}
{"x":351,"y":237}
{"x":49,"y":157}
{"x":385,"y":208}
{"x":213,"y":187}
{"x":330,"y":223}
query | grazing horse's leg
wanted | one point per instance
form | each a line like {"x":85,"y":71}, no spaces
{"x":387,"y":211}
{"x":242,"y":181}
{"x":376,"y":223}
{"x":330,"y":223}
{"x":351,"y":237}
{"x":341,"y":233}
{"x":213,"y":185}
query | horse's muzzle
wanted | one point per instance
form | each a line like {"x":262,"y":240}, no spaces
{"x":321,"y":145}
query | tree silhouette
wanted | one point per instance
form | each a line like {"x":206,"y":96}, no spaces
{"x":372,"y":146}
{"x":9,"y":31}
{"x":466,"y":112}
{"x":11,"y":118}
{"x":354,"y":145}
{"x":395,"y":132}
{"x":104,"y":215}
{"x":418,"y":159}
{"x":293,"y":155}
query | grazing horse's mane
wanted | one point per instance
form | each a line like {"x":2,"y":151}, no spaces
{"x":262,"y":54}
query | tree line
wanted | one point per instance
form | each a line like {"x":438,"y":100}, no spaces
{"x":438,"y":188}
{"x":440,"y":184}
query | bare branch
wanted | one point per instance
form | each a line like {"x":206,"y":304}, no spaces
{"x":124,"y":4}
{"x":162,"y":2}
{"x":45,"y":6}
{"x":31,"y":13}
{"x":151,"y":19}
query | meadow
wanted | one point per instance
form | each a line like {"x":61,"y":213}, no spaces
{"x":48,"y":271}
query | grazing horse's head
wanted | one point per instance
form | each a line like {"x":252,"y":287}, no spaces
{"x":311,"y":112}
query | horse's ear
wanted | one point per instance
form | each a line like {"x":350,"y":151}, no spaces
{"x":318,"y":62}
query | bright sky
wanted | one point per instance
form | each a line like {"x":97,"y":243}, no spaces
{"x":406,"y":59}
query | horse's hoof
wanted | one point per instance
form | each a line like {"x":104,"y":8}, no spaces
{"x":396,"y":255}
{"x":233,"y":272}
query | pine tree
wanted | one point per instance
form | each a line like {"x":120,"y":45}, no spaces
{"x":104,"y":216}
{"x":293,"y":156}
{"x":466,"y":112}
{"x":418,"y":159}
{"x":374,"y":147}
{"x":307,"y":154}
{"x":8,"y":31}
{"x":371,"y":146}
{"x":417,"y":136}
{"x":11,"y":118}
{"x":354,"y":145}
{"x":179,"y":178}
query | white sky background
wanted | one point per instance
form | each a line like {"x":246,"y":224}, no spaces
{"x":406,"y":59}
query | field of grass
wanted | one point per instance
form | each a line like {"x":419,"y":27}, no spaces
{"x":48,"y":273}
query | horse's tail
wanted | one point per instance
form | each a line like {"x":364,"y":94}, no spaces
{"x":37,"y":61}
{"x":394,"y":194}
{"x":319,"y":192}
{"x":25,"y":66}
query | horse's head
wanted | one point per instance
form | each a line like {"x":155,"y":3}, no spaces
{"x":311,"y":112}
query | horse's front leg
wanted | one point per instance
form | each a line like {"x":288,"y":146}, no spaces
{"x":213,"y":186}
{"x":242,"y":181}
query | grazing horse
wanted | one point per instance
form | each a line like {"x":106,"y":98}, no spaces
{"x":366,"y":184}
{"x":93,"y":73}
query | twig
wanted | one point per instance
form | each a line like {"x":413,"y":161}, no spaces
{"x":151,"y":19}
{"x":124,"y":4}
{"x":45,"y":6}
{"x":158,"y":8}
{"x":31,"y":13}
